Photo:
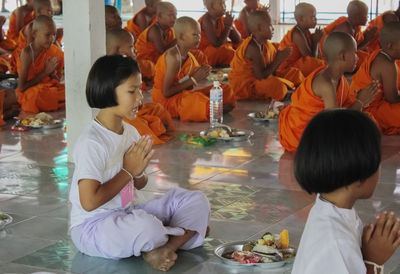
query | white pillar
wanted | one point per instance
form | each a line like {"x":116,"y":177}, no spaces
{"x":84,"y":42}
{"x":275,"y":11}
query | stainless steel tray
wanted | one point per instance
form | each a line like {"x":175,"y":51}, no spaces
{"x":239,"y":135}
{"x":237,"y":246}
{"x":252,"y":116}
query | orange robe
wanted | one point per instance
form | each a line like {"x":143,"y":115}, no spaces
{"x":385,"y":114}
{"x":358,"y":36}
{"x":188,"y":105}
{"x":305,"y":105}
{"x":5,"y":63}
{"x":306,"y":64}
{"x":152,"y":119}
{"x":21,"y":44}
{"x":133,"y":28}
{"x":49,"y":94}
{"x":147,"y":51}
{"x":243,"y":82}
{"x":222,"y":55}
{"x":378,"y":23}
{"x":12,"y":33}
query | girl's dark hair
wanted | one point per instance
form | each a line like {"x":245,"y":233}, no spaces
{"x":338,"y":148}
{"x":106,"y":74}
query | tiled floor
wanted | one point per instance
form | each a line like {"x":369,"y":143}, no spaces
{"x":250,"y":186}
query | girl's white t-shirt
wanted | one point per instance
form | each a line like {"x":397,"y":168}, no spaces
{"x":331,"y":241}
{"x":98,"y":155}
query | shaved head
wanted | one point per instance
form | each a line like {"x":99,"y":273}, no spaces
{"x":356,"y":7}
{"x":164,"y":7}
{"x":42,"y":21}
{"x":256,"y":18}
{"x":302,"y":9}
{"x":109,"y":9}
{"x":116,"y":38}
{"x":390,"y":33}
{"x":183,"y":23}
{"x":337,"y":42}
{"x":390,"y":17}
{"x":112,"y":17}
{"x":151,"y":2}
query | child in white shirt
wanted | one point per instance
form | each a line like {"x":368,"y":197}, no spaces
{"x":339,"y":158}
{"x":110,"y":159}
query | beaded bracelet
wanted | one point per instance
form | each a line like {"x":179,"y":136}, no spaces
{"x":376,"y":266}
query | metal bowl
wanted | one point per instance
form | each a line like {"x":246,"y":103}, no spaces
{"x":54,"y":124}
{"x":237,"y":246}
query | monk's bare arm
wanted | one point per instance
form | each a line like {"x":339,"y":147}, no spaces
{"x":26,"y":61}
{"x":209,"y":29}
{"x":155,"y":37}
{"x":19,"y":18}
{"x":325,"y":91}
{"x":172,"y":64}
{"x":234,"y":35}
{"x":141,"y":21}
{"x":388,"y":75}
{"x":299,"y":39}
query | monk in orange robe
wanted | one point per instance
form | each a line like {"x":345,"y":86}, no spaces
{"x":381,"y":66}
{"x":160,"y":36}
{"x":40,"y":7}
{"x":241,"y":22}
{"x":40,"y":68}
{"x":216,"y":28}
{"x":304,"y":45}
{"x":19,"y":18}
{"x":142,"y":19}
{"x":152,"y":119}
{"x":254,"y":65}
{"x":178,"y":73}
{"x":357,"y":16}
{"x":378,"y":23}
{"x":324,"y":88}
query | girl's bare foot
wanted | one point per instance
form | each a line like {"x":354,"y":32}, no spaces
{"x":161,"y":258}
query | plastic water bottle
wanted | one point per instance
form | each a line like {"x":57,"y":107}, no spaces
{"x":216,"y":104}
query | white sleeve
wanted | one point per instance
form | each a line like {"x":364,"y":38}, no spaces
{"x":338,"y":257}
{"x":90,"y":161}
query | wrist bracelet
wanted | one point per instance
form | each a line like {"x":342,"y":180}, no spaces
{"x":127,"y":172}
{"x":194,"y":81}
{"x":139,"y":176}
{"x":376,"y":266}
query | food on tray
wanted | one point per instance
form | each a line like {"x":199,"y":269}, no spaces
{"x":218,"y":133}
{"x":271,"y":114}
{"x":268,"y":249}
{"x":197,"y":140}
{"x":40,"y":119}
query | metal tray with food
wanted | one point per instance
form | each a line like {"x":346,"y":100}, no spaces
{"x":228,"y":134}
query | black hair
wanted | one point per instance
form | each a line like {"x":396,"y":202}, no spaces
{"x":338,"y":148}
{"x":106,"y":74}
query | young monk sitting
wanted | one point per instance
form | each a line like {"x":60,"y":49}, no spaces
{"x":40,"y":68}
{"x":380,"y":66}
{"x":216,"y":28}
{"x":304,"y":44}
{"x":159,"y":36}
{"x":40,"y":7}
{"x":324,"y":88}
{"x":241,"y":22}
{"x":255,"y":63}
{"x":18,"y":19}
{"x":112,"y":17}
{"x":378,"y":23}
{"x":152,"y":118}
{"x":177,"y":72}
{"x":357,"y":16}
{"x":142,"y":19}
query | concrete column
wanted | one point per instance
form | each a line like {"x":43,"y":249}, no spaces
{"x":275,"y":11}
{"x":84,"y":43}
